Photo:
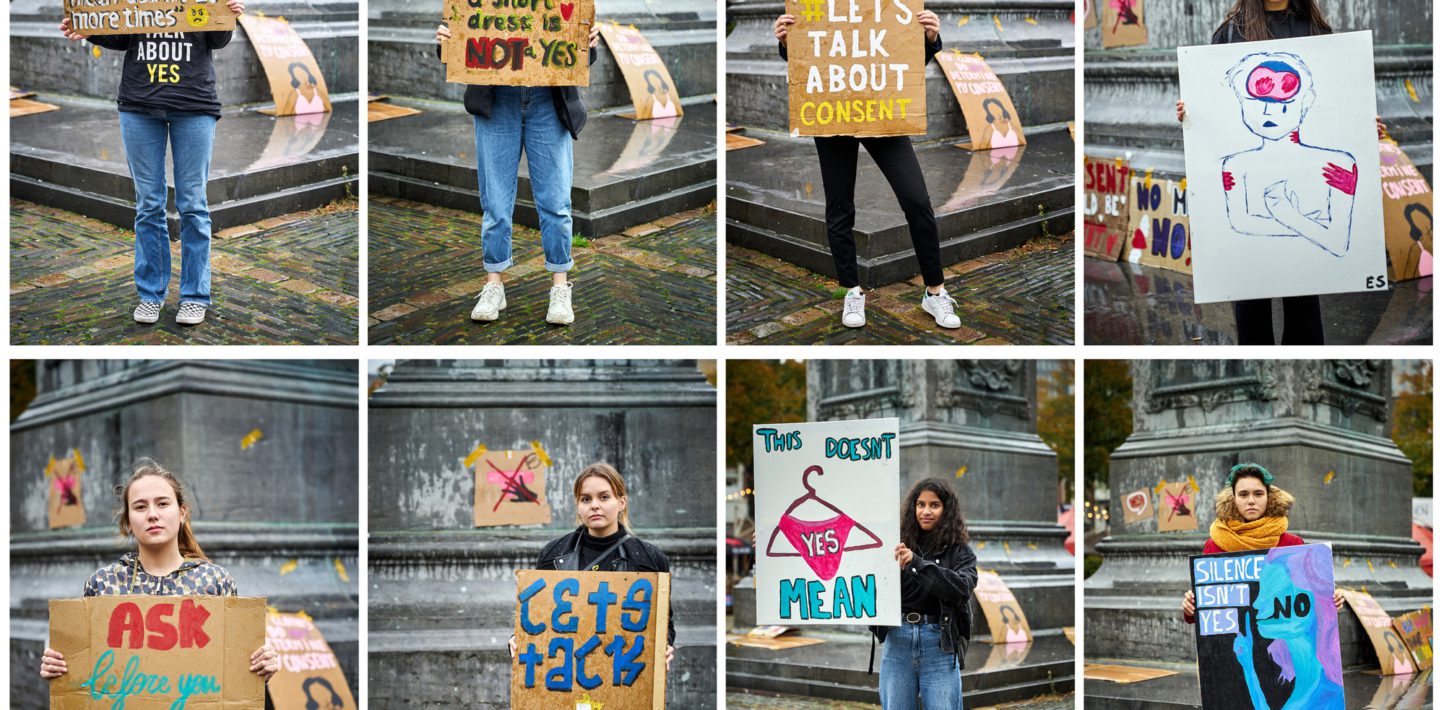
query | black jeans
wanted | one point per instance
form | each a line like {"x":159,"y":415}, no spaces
{"x":1303,"y":321}
{"x":894,"y":155}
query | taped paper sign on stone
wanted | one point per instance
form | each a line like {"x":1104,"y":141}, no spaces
{"x":64,"y":505}
{"x":511,"y":489}
{"x":590,"y":639}
{"x":1394,"y":656}
{"x":297,"y":86}
{"x":654,"y":95}
{"x":518,"y":42}
{"x":856,"y":68}
{"x":987,"y":108}
{"x":826,"y":498}
{"x":120,"y":17}
{"x":1123,"y":23}
{"x":1266,"y":630}
{"x":1006,"y":621}
{"x":1137,"y":506}
{"x":1105,"y":208}
{"x":1178,"y":507}
{"x":157,"y":652}
{"x":309,"y":677}
{"x":1158,"y":211}
{"x":1408,"y":215}
{"x":1417,"y":630}
{"x":1283,"y":165}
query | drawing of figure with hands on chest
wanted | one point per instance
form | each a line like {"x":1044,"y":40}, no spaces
{"x":1286,"y":187}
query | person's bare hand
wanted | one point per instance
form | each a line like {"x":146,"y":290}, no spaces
{"x":69,"y":33}
{"x":238,"y":7}
{"x":669,"y":657}
{"x":511,"y":645}
{"x":1379,"y":124}
{"x":443,"y":33}
{"x":902,"y":554}
{"x":595,"y":35}
{"x":52,"y":664}
{"x":265,"y":662}
{"x":782,"y":26}
{"x":1338,"y":599}
{"x":1188,"y":602}
{"x":930,"y":24}
{"x":1181,"y":112}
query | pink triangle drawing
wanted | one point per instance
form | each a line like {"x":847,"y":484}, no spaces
{"x":824,"y":554}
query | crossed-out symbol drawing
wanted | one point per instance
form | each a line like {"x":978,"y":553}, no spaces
{"x":512,"y":485}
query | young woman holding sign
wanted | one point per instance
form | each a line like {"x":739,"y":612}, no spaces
{"x":168,"y":94}
{"x":1253,"y":21}
{"x":923,"y":658}
{"x":167,"y":560}
{"x":538,"y":119}
{"x":899,"y":164}
{"x":601,"y":542}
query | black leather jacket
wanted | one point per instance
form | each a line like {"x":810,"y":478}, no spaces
{"x":951,"y":578}
{"x":635,"y":555}
{"x":571,"y":110}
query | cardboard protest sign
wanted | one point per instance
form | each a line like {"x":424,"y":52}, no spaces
{"x":654,"y":95}
{"x":149,"y":653}
{"x":1267,"y":632}
{"x":1090,"y":14}
{"x":511,"y":489}
{"x":1105,"y":207}
{"x":987,"y":108}
{"x":64,"y":505}
{"x":1394,"y":656}
{"x":590,"y":640}
{"x":1123,"y":24}
{"x":1417,"y":630}
{"x":118,"y":17}
{"x":1006,"y":621}
{"x":1158,"y":210}
{"x":827,"y":521}
{"x":856,"y":69}
{"x":1177,"y":506}
{"x":1408,"y":215}
{"x":1283,"y":165}
{"x":297,"y":85}
{"x":518,"y":42}
{"x":309,"y":677}
{"x":1137,"y":506}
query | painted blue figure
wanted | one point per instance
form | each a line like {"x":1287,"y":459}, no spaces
{"x":1306,"y":637}
{"x":1285,"y":187}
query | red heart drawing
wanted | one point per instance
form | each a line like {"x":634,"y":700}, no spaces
{"x":567,"y":11}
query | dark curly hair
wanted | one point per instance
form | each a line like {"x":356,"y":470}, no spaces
{"x":951,"y":528}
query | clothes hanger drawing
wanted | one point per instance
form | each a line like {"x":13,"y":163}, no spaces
{"x":811,"y":495}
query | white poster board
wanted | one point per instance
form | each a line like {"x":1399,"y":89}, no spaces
{"x":827,"y":522}
{"x":1283,"y":168}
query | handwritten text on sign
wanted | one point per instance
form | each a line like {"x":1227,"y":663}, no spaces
{"x":113,"y":17}
{"x":599,"y":633}
{"x":518,"y":42}
{"x":855,"y":68}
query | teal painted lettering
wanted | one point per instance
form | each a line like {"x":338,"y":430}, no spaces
{"x":790,"y":592}
{"x":814,"y":600}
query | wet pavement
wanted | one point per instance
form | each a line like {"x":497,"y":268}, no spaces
{"x":654,"y":284}
{"x":1020,"y":296}
{"x":1362,"y":689}
{"x":1131,"y":304}
{"x":289,"y":280}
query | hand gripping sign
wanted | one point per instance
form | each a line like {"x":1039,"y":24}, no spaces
{"x":827,"y":521}
{"x":590,"y":639}
{"x":147,"y":652}
{"x":120,"y":17}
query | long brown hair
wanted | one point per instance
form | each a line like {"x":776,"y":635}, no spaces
{"x":605,"y":472}
{"x":145,"y":466}
{"x":1247,"y":17}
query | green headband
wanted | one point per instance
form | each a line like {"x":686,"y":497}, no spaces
{"x":1268,"y":478}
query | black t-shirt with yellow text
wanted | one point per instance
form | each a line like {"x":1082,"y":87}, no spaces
{"x":169,"y":71}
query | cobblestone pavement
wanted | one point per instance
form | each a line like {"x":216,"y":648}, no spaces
{"x":286,"y":280}
{"x":653,"y":284}
{"x":1020,"y":296}
{"x":768,"y":701}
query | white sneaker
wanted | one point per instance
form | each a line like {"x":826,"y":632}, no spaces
{"x":190,"y":314}
{"x":852,"y":308}
{"x":493,"y":299}
{"x":940,"y":307}
{"x":147,"y":312}
{"x":559,"y":311}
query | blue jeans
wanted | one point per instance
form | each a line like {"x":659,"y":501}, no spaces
{"x":524,"y":117}
{"x":914,"y":666}
{"x":190,"y":136}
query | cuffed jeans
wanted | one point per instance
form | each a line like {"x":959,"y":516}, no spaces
{"x":190,"y":136}
{"x":915,"y":667}
{"x":524,"y":117}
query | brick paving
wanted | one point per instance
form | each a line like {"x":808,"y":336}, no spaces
{"x":1021,"y":296}
{"x":289,"y":280}
{"x":769,"y":701}
{"x":654,"y":284}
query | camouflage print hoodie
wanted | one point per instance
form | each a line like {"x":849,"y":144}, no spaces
{"x":195,"y":577}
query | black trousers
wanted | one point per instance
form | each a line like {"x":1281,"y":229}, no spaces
{"x":1303,"y":321}
{"x":894,"y":155}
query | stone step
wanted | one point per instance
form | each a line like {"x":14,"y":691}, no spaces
{"x":1361,"y":689}
{"x":985,"y":202}
{"x":261,"y":166}
{"x":626,"y":172}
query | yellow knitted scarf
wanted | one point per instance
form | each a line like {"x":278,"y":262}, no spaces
{"x":1237,"y":535}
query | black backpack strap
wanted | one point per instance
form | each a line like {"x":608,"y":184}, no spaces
{"x":872,"y":653}
{"x":603,"y":557}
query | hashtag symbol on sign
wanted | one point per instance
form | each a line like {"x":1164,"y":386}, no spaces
{"x":812,"y":10}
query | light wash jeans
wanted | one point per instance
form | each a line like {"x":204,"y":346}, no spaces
{"x":190,"y":136}
{"x":524,"y":117}
{"x":914,"y":666}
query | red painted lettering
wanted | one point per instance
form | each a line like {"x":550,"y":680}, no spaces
{"x":126,"y":617}
{"x":162,"y":632}
{"x":192,"y":625}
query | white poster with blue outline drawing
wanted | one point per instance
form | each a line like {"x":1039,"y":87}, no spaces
{"x":1281,"y":150}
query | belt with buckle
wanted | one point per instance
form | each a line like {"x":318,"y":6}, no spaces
{"x":913,"y":617}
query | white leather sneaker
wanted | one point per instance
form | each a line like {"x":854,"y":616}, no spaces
{"x":852,"y":308}
{"x":559,"y":311}
{"x":492,"y":300}
{"x":940,"y":306}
